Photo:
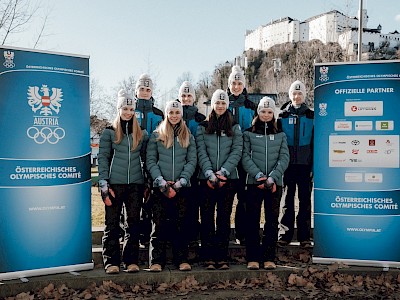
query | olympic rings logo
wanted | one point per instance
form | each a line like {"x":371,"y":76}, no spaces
{"x":45,"y":134}
{"x":9,"y":64}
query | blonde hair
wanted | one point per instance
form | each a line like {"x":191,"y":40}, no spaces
{"x":137,"y":133}
{"x":166,"y":133}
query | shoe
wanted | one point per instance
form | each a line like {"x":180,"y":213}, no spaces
{"x":185,"y":267}
{"x":222,"y":265}
{"x":253,"y":265}
{"x":306,"y":244}
{"x":112,"y":270}
{"x":132,"y":268}
{"x":210,"y":265}
{"x":269,"y":265}
{"x":155,"y":268}
{"x":282,"y":243}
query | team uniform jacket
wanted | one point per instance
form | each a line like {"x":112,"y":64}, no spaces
{"x":192,"y":118}
{"x":215,"y":152}
{"x":298,"y":124}
{"x":172,"y":163}
{"x":266,"y":153}
{"x":148,"y":115}
{"x":242,"y":110}
{"x":117,"y":163}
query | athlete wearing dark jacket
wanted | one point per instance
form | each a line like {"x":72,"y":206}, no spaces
{"x":297,"y":121}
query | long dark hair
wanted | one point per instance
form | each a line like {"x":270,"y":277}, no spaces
{"x":218,"y":124}
{"x":258,"y":126}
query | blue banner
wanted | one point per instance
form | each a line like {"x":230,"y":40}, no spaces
{"x":45,"y":220}
{"x":356,"y":184}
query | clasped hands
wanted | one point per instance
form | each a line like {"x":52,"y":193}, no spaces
{"x":267,"y":184}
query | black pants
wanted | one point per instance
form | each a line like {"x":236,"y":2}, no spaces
{"x":194,"y":206}
{"x":170,"y":223}
{"x":297,"y":175}
{"x":255,"y":198}
{"x":215,"y":235}
{"x":240,"y":212}
{"x":131,"y":196}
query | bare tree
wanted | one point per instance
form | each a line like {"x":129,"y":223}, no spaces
{"x":102,"y":105}
{"x":128,"y":85}
{"x":204,"y":85}
{"x":16,"y":16}
{"x":186,"y":76}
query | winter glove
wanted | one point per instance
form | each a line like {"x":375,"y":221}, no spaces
{"x":262,"y":180}
{"x":164,"y":186}
{"x":182,"y":182}
{"x":160,"y":182}
{"x":168,"y":191}
{"x":213,"y":181}
{"x":270,"y":184}
{"x":259,"y":175}
{"x":106,"y":192}
{"x":221,"y":175}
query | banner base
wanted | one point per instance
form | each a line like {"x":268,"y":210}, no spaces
{"x":357,"y":262}
{"x":46,"y":271}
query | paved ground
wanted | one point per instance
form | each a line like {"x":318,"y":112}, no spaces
{"x":295,"y":278}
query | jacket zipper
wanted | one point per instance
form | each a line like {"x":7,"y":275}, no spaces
{"x":173,"y":160}
{"x":217,"y":153}
{"x":266,"y":148}
{"x":129,"y":151}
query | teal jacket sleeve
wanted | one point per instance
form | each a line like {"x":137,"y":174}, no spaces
{"x":283,"y":160}
{"x":152,"y":157}
{"x":105,"y":154}
{"x":203,"y":159}
{"x":191,"y":161}
{"x":235,"y":154}
{"x":247,"y":162}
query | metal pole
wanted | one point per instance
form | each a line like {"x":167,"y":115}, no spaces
{"x":360,"y":30}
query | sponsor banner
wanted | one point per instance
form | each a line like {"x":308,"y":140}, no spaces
{"x":45,"y":162}
{"x":357,"y":162}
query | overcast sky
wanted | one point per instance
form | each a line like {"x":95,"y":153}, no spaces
{"x":168,"y":38}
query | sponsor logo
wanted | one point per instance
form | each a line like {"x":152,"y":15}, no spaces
{"x":363,"y":125}
{"x":363,"y":108}
{"x":353,"y":177}
{"x":372,"y":151}
{"x":339,"y":151}
{"x":343,"y":125}
{"x":389,"y":151}
{"x":384,"y":125}
{"x":338,"y":160}
{"x":355,"y":142}
{"x":374,"y":177}
{"x":355,"y":151}
{"x":371,"y":142}
{"x":355,"y":160}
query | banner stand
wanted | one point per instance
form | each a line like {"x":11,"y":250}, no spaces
{"x":357,"y":163}
{"x":46,"y":271}
{"x":45,"y":182}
